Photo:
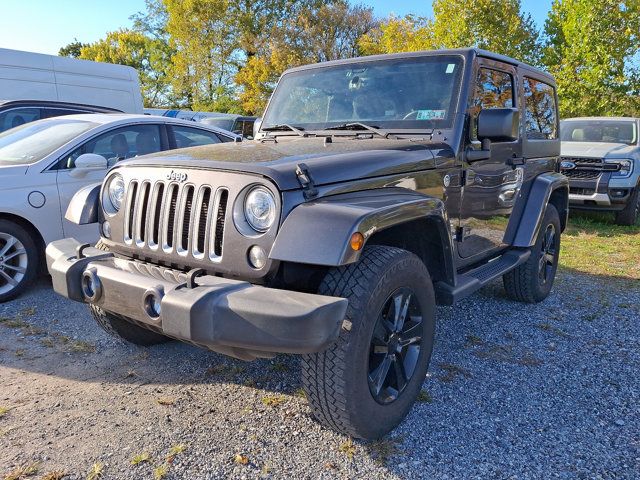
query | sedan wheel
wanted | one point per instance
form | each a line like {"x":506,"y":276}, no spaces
{"x":18,"y":260}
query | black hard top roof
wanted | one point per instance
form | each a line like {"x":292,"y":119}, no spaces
{"x":465,"y":52}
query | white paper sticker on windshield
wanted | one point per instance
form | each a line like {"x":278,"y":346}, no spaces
{"x":431,"y":114}
{"x":451,"y":67}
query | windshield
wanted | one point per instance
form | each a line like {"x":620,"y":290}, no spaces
{"x":32,"y":142}
{"x":608,"y":131}
{"x":403,"y":93}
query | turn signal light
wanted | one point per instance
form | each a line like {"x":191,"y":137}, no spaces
{"x":357,"y":241}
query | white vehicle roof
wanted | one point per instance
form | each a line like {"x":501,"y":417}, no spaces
{"x":127,"y":118}
{"x":35,"y":76}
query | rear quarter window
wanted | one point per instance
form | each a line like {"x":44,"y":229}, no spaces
{"x":541,"y":122}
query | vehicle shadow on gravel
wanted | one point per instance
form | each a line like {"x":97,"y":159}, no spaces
{"x":508,"y":382}
{"x":43,"y":333}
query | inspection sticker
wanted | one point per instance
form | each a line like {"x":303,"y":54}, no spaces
{"x":450,"y":68}
{"x":431,"y":114}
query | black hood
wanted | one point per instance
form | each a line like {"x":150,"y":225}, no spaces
{"x":342,"y":160}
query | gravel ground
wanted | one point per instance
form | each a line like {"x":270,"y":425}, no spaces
{"x":514,"y":391}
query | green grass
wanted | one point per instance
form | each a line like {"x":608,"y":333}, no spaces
{"x":594,"y":244}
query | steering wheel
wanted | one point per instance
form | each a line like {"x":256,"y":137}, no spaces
{"x":413,"y":113}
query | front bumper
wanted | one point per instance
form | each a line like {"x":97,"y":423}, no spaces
{"x":228,"y":316}
{"x":598,"y":194}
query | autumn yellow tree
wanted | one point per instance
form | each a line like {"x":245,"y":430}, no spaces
{"x":496,"y":25}
{"x":329,"y":31}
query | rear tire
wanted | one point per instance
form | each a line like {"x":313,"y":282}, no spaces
{"x":531,"y":282}
{"x":19,"y":260}
{"x":120,"y":326}
{"x":629,"y":215}
{"x":365,"y":383}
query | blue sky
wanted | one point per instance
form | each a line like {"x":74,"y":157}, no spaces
{"x":45,"y":25}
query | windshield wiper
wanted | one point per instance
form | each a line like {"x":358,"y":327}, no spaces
{"x":360,"y":126}
{"x":283,"y":127}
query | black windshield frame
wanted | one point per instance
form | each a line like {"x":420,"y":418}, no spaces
{"x":448,"y":66}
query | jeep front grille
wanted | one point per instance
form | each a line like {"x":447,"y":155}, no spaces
{"x":171,"y":218}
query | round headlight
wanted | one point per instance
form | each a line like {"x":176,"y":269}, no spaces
{"x":260,"y":209}
{"x":115,"y":192}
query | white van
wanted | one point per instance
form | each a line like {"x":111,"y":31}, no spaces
{"x":34,"y":76}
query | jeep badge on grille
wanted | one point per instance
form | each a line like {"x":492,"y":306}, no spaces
{"x":177,"y":176}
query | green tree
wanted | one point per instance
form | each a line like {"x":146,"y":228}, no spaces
{"x":592,"y":50}
{"x":316,"y":33}
{"x":496,"y":25}
{"x":147,"y":55}
{"x":72,"y":49}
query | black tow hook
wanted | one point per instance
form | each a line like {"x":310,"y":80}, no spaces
{"x":80,"y":250}
{"x":192,"y":275}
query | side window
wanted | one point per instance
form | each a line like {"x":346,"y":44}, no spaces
{"x":247,"y":129}
{"x":118,"y":144}
{"x":19,"y":116}
{"x":494,"y":89}
{"x":193,"y":137}
{"x":540,"y":110}
{"x":58,"y":112}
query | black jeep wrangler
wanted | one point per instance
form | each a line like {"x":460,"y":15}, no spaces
{"x":376,"y":188}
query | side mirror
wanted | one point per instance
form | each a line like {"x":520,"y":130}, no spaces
{"x":91,"y":160}
{"x":88,"y":162}
{"x":256,"y":126}
{"x":499,"y":124}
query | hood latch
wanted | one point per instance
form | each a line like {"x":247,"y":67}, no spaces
{"x":309,"y":189}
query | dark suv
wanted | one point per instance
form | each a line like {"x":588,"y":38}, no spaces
{"x":377,"y":188}
{"x":14,"y":113}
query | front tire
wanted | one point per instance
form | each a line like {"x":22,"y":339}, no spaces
{"x":19,"y":260}
{"x":366,"y":382}
{"x":531,"y":282}
{"x":120,"y":327}
{"x":629,"y":215}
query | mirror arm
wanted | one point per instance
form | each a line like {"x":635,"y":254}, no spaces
{"x":483,"y":154}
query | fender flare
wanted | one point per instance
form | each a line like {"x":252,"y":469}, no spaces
{"x":318,"y":232}
{"x":540,"y":195}
{"x":84,"y":207}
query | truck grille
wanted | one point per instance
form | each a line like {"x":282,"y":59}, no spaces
{"x":184,"y":219}
{"x":587,"y":168}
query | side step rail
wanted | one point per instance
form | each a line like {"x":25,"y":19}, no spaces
{"x":469,"y":282}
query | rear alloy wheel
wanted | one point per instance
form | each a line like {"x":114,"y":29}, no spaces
{"x":531,"y":282}
{"x":18,"y":260}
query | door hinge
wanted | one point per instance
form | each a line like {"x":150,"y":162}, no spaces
{"x":461,"y":233}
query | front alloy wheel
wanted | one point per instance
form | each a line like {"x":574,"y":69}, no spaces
{"x":395,"y":346}
{"x":365,"y":383}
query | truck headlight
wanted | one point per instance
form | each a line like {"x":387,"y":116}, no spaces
{"x":113,"y":194}
{"x":626,"y":168}
{"x":260,"y":209}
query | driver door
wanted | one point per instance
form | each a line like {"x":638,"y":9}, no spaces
{"x":491,"y":185}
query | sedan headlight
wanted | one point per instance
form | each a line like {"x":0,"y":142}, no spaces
{"x":260,"y":209}
{"x":626,"y":168}
{"x":113,"y":194}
